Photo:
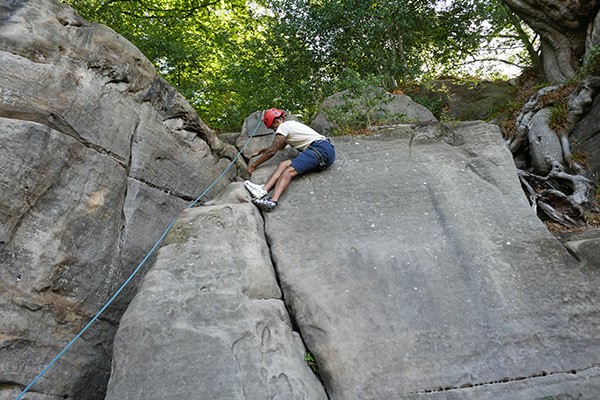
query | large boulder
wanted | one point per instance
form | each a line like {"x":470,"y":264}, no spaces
{"x":464,"y":99}
{"x":352,"y":110}
{"x":413,"y":268}
{"x":98,"y":155}
{"x":585,"y":246}
{"x":216,"y":327}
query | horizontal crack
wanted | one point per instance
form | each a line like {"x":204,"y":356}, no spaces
{"x":164,"y":190}
{"x":58,"y":124}
{"x":470,"y":385}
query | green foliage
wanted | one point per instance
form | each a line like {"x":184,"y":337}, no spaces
{"x":221,"y":55}
{"x":435,"y":99}
{"x":558,"y":115}
{"x":230,"y":58}
{"x":362,"y":105}
{"x":437,"y":106}
{"x":308,"y":358}
{"x":591,"y":63}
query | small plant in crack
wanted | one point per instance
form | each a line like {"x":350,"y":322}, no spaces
{"x":311,"y":363}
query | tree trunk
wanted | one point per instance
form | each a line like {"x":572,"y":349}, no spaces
{"x":562,"y":26}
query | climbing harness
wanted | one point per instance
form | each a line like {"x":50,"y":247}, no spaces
{"x":193,"y":203}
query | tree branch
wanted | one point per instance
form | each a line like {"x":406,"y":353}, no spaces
{"x":175,"y":12}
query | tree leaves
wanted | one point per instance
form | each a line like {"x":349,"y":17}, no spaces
{"x":233,"y":57}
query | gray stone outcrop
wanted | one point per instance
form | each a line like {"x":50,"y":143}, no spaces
{"x":465,"y":100}
{"x":217,"y":327}
{"x":413,"y":268}
{"x":98,"y":155}
{"x":585,"y":246}
{"x":340,"y":111}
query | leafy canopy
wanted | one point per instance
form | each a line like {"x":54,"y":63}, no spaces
{"x":230,"y":58}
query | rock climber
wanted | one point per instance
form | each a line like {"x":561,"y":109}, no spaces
{"x":316,"y":154}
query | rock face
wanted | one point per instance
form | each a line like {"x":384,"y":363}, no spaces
{"x":586,"y":137}
{"x":98,"y":155}
{"x":217,"y":320}
{"x":413,"y":268}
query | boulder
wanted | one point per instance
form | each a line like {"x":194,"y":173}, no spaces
{"x":413,"y":268}
{"x":464,"y":100}
{"x":355,"y":110}
{"x":585,"y":246}
{"x":98,"y":155}
{"x":217,"y":327}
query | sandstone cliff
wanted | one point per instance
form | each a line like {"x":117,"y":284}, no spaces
{"x":98,"y":154}
{"x":413,"y":268}
{"x":408,"y":271}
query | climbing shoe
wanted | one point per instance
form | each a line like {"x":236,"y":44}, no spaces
{"x":266,"y":205}
{"x":257,"y":191}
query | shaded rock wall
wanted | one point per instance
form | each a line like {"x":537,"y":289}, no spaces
{"x":465,"y":100}
{"x":410,"y":271}
{"x":98,"y":155}
{"x":586,"y":138}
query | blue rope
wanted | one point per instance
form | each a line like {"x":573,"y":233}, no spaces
{"x":134,"y":272}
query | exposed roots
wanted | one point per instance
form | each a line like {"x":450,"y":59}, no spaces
{"x":556,"y":185}
{"x":549,"y":199}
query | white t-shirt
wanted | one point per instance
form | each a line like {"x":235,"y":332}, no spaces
{"x":298,"y":135}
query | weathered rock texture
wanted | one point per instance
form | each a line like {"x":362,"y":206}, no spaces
{"x":411,"y":272}
{"x":217,"y":324}
{"x":586,"y":138}
{"x":585,"y":246}
{"x":98,"y":155}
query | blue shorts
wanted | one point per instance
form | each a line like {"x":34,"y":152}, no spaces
{"x":317,"y":157}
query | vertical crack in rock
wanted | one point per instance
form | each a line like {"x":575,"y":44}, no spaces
{"x":295,"y":327}
{"x":474,"y":167}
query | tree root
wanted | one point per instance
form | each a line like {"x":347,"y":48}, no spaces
{"x":554,"y":182}
{"x":546,"y":195}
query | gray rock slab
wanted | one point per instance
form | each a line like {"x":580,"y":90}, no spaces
{"x":63,"y":204}
{"x":583,"y":385}
{"x":175,"y":160}
{"x":208,"y":321}
{"x":414,"y":268}
{"x":60,"y":208}
{"x":147,"y":213}
{"x":585,"y":137}
{"x":96,"y":152}
{"x":466,"y":100}
{"x":585,"y":246}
